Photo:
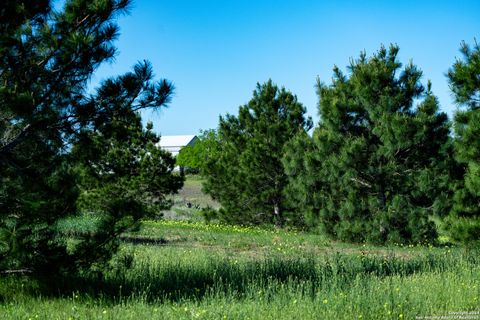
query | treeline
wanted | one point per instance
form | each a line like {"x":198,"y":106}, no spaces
{"x":383,"y":164}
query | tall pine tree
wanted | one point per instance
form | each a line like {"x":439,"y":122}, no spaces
{"x":464,"y":78}
{"x":245,"y":172}
{"x":373,"y":170}
{"x":46,"y":60}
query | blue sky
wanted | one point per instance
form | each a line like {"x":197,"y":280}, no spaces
{"x":216,"y":51}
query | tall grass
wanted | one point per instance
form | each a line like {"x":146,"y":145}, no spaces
{"x":214,"y":281}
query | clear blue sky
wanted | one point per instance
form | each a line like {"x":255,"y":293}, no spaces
{"x":216,"y":51}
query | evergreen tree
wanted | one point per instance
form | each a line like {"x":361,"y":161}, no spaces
{"x":464,"y":77}
{"x":243,"y":169}
{"x":46,"y":60}
{"x":123,"y":176}
{"x":375,"y":167}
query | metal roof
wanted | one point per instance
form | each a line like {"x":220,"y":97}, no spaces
{"x":175,"y":141}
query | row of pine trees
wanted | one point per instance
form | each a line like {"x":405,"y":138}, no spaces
{"x":383,"y":165}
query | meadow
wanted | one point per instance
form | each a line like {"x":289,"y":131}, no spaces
{"x":200,"y":271}
{"x":183,"y":268}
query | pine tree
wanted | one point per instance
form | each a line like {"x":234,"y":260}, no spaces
{"x":373,"y":170}
{"x":46,"y":61}
{"x":464,"y":77}
{"x":123,"y":177}
{"x":244,"y":170}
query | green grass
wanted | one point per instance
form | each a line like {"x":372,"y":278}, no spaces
{"x":186,"y":269}
{"x":190,"y":200}
{"x":215,"y":271}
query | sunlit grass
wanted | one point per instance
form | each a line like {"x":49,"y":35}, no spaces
{"x":215,"y":271}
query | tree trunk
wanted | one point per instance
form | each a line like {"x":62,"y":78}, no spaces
{"x":277,"y":215}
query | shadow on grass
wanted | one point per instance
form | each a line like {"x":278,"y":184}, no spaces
{"x":175,"y":281}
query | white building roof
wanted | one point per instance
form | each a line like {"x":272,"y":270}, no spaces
{"x":173,"y":144}
{"x":175,"y":141}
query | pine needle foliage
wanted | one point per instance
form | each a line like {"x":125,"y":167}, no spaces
{"x":375,"y":167}
{"x":464,"y":77}
{"x":47,"y":58}
{"x":244,"y":172}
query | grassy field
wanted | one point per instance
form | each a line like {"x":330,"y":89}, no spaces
{"x":177,"y":269}
{"x":188,"y":202}
{"x":199,"y":271}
